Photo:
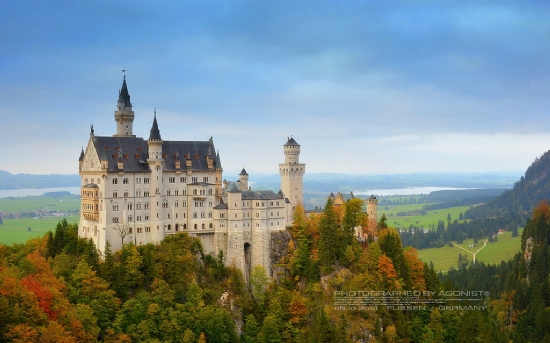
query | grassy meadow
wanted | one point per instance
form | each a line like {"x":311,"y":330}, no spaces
{"x":16,"y":230}
{"x":428,"y":220}
{"x":32,"y":203}
{"x":446,"y":257}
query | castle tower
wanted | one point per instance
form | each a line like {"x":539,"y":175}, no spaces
{"x":372,"y":206}
{"x":124,"y":116}
{"x":292,"y":172}
{"x":155,"y":162}
{"x":243,"y":177}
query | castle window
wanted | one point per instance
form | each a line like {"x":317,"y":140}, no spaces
{"x":167,"y":192}
{"x":203,"y":215}
{"x":165,"y":204}
{"x":130,"y":230}
{"x":177,"y":227}
{"x":139,"y":230}
{"x":184,"y":192}
{"x":205,"y":179}
{"x":196,"y":156}
{"x":172,"y":179}
{"x":194,"y":192}
{"x":277,"y":203}
{"x":115,"y":207}
{"x":115,"y":219}
{"x":86,"y":180}
{"x":271,"y":224}
{"x":185,"y":226}
{"x":115,"y":181}
{"x":203,"y":226}
{"x":194,"y":179}
{"x":195,"y":226}
{"x":125,"y":194}
{"x":145,"y":193}
{"x":184,"y":204}
{"x":125,"y":181}
{"x":168,"y":215}
{"x":147,"y":229}
{"x":209,"y":214}
{"x":138,"y":180}
{"x":176,"y":192}
{"x":138,"y":193}
{"x":146,"y":217}
{"x":211,"y":226}
{"x":169,"y":227}
{"x":115,"y":194}
{"x":195,"y":215}
{"x":183,"y":179}
{"x":145,"y":180}
{"x":146,"y":206}
{"x":138,"y":218}
{"x":257,"y":214}
{"x":130,"y":218}
{"x":177,"y":204}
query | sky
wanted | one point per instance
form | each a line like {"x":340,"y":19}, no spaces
{"x":365,"y":87}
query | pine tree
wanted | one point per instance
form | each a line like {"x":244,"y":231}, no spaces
{"x":329,"y":240}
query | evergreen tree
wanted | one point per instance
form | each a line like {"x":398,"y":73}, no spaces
{"x":329,"y":240}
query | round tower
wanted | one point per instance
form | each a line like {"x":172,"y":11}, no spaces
{"x":292,"y":172}
{"x":372,"y":206}
{"x":243,"y":177}
{"x":124,"y":116}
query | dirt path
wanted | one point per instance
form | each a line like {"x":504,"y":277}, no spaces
{"x":473,"y":253}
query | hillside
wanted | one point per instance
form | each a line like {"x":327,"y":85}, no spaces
{"x":29,"y":181}
{"x":525,"y":195}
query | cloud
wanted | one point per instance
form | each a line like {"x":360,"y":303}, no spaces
{"x":394,"y":81}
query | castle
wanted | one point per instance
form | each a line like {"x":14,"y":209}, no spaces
{"x":139,"y":191}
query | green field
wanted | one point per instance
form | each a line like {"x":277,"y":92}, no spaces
{"x":16,"y":230}
{"x":427,"y":221}
{"x":446,"y":257}
{"x":23,"y":204}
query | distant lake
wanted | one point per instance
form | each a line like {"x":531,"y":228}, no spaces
{"x":380,"y":192}
{"x":36,"y":192}
{"x":406,"y":191}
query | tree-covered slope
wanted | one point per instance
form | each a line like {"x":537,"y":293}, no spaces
{"x":525,"y":195}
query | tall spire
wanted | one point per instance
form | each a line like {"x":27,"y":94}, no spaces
{"x":123,"y":95}
{"x":155,"y":132}
{"x":124,"y":116}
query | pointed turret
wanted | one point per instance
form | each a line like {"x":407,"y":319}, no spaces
{"x":155,"y":132}
{"x":81,"y":158}
{"x":123,"y":95}
{"x":124,"y":116}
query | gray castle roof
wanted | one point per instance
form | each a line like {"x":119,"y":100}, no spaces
{"x":134,"y":151}
{"x":291,"y":141}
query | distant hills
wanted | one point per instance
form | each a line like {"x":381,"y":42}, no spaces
{"x":523,"y":197}
{"x":320,"y":182}
{"x":29,"y":181}
{"x":326,"y":182}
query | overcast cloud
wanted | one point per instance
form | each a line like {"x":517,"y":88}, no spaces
{"x":365,"y":87}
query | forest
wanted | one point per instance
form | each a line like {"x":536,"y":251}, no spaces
{"x":58,"y":289}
